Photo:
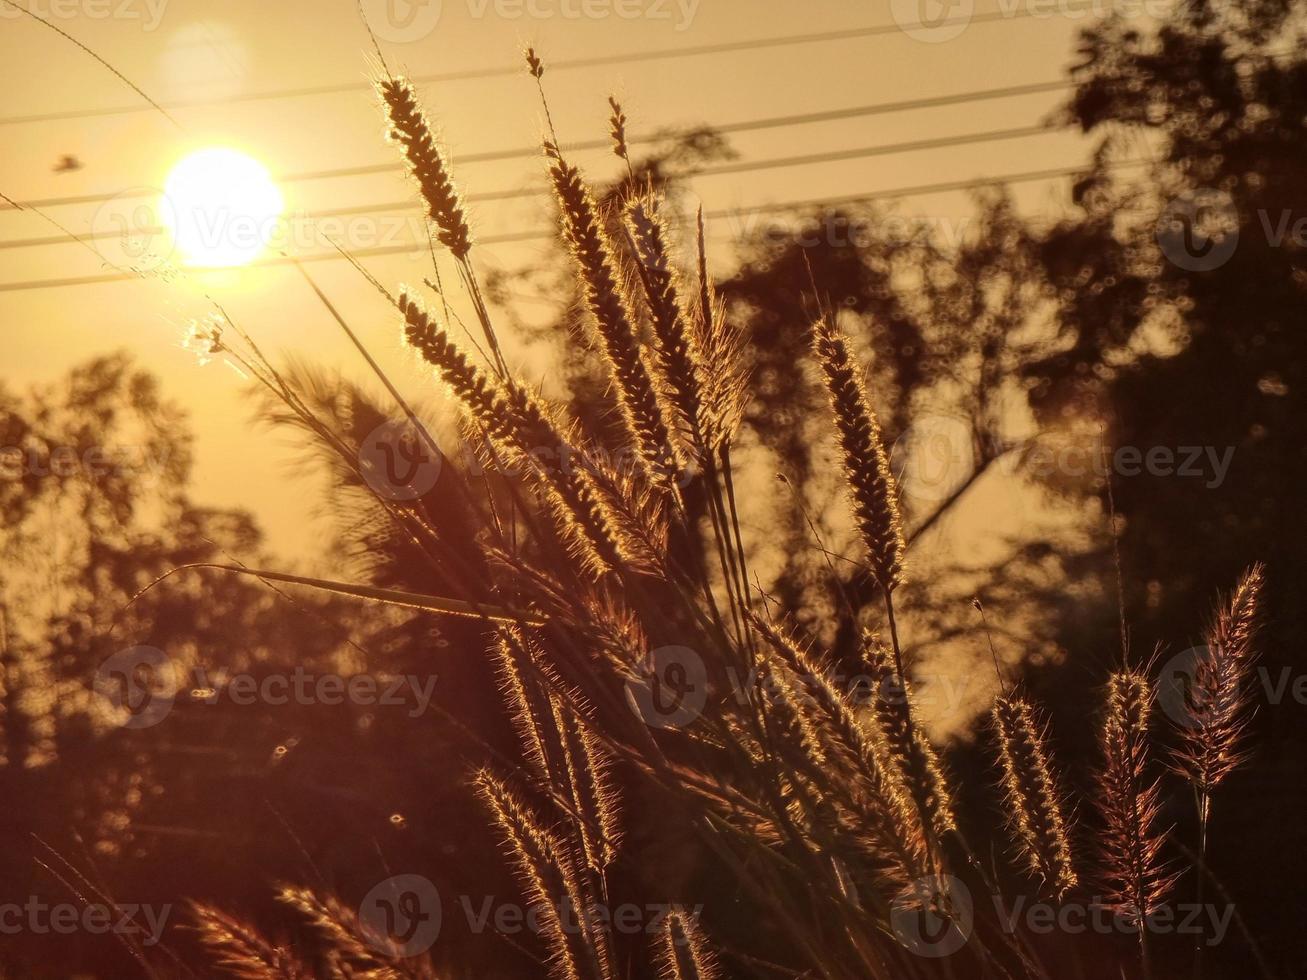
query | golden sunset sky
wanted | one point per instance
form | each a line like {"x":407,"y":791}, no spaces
{"x":213,"y":65}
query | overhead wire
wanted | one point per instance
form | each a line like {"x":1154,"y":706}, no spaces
{"x":544,"y":234}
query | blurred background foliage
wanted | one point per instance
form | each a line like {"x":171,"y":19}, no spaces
{"x":1016,"y":336}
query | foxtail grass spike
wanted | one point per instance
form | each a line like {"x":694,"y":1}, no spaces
{"x":481,"y":395}
{"x":1218,"y":703}
{"x":534,"y":65}
{"x":578,"y":508}
{"x":676,"y":351}
{"x":238,"y":950}
{"x":720,"y":344}
{"x":527,"y":702}
{"x":1134,"y":879}
{"x":905,"y":742}
{"x":617,"y":130}
{"x":584,"y":235}
{"x":578,"y":949}
{"x":593,"y":795}
{"x":862,"y":449}
{"x":682,"y":951}
{"x":338,"y":928}
{"x":838,"y":737}
{"x":426,"y":164}
{"x":1033,"y":803}
{"x":522,"y":424}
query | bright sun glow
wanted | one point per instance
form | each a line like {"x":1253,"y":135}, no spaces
{"x":221,"y":207}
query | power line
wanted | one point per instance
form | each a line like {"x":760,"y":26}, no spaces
{"x":831,"y":156}
{"x":544,"y":234}
{"x":562,"y":64}
{"x":740,"y":126}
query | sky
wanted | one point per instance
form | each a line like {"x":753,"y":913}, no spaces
{"x":213,"y":66}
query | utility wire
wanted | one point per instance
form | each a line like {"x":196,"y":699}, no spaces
{"x":544,"y":234}
{"x":744,"y":166}
{"x":562,"y":64}
{"x":528,"y":152}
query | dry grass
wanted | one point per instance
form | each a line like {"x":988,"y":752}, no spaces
{"x":866,"y":466}
{"x":817,"y":809}
{"x":1129,"y":799}
{"x":1035,"y":808}
{"x":1219,"y":702}
{"x":237,"y":949}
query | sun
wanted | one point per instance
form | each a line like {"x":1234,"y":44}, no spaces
{"x":221,"y":207}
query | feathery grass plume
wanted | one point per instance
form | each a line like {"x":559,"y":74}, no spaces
{"x":1218,"y":703}
{"x":1217,"y":708}
{"x":843,"y":746}
{"x":481,"y":395}
{"x":866,"y":466}
{"x":635,"y":511}
{"x":239,"y":950}
{"x":617,"y":130}
{"x":905,"y":743}
{"x":612,"y":628}
{"x":1034,"y":803}
{"x":820,"y":797}
{"x":720,"y":344}
{"x":553,"y":887}
{"x":590,"y":784}
{"x":800,"y":715}
{"x":587,"y":241}
{"x":518,"y":666}
{"x":675,"y":349}
{"x":682,"y":951}
{"x":426,"y":164}
{"x":799,"y":762}
{"x":589,"y":517}
{"x":594,"y":613}
{"x":519,"y":422}
{"x":560,"y":749}
{"x":533,"y":64}
{"x":339,"y":929}
{"x":570,"y":491}
{"x":1134,"y":878}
